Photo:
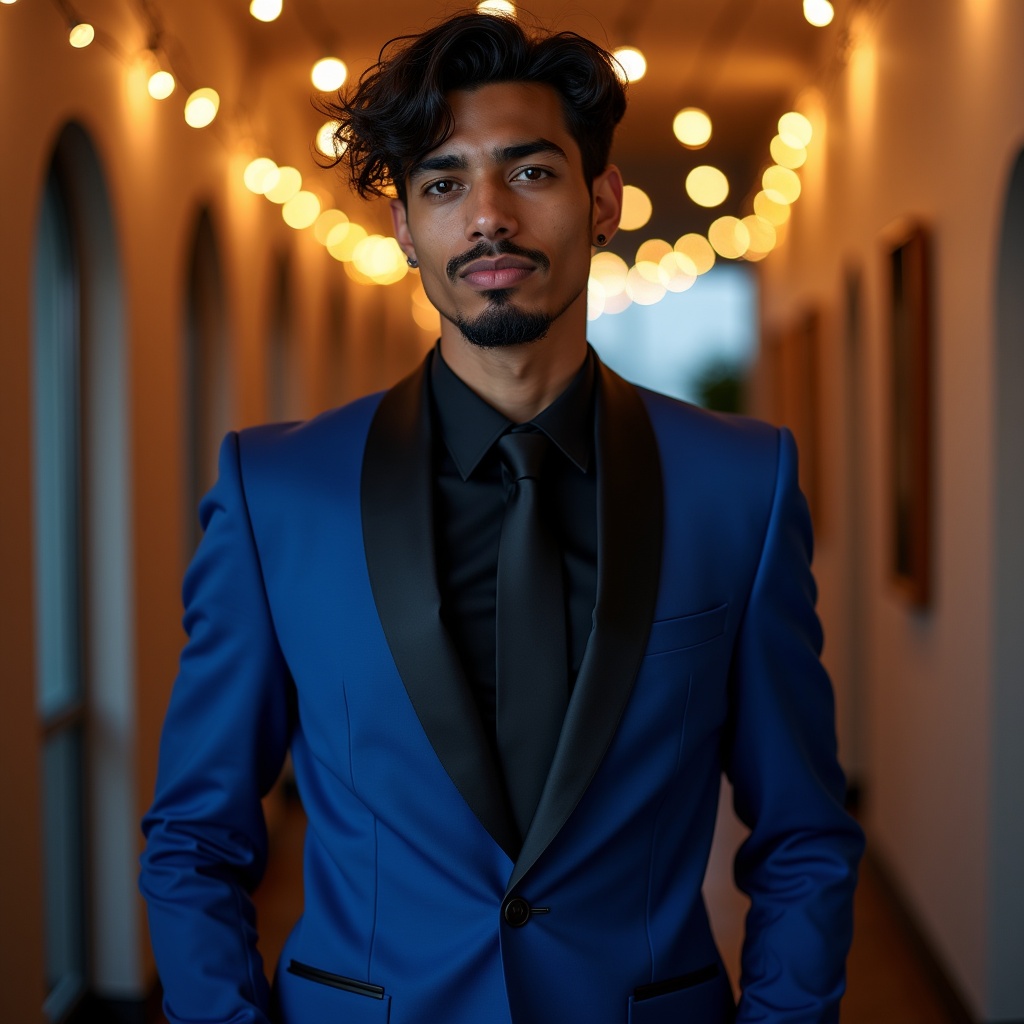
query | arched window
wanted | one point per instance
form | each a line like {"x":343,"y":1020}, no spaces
{"x":60,"y":676}
{"x":84,"y":631}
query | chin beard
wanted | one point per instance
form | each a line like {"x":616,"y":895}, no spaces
{"x":502,"y":325}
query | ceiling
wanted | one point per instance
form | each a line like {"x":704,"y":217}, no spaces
{"x":743,"y":61}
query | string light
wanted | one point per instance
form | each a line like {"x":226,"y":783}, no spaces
{"x":819,"y":13}
{"x":795,"y":128}
{"x":781,"y":184}
{"x":81,"y":35}
{"x":692,"y":127}
{"x":327,"y":141}
{"x":729,"y":237}
{"x":201,"y":107}
{"x":631,"y":64}
{"x":636,"y":208}
{"x":266,"y":10}
{"x":501,"y":8}
{"x":288,"y":184}
{"x":301,"y":211}
{"x":329,"y":74}
{"x":707,"y":186}
{"x":160,"y":85}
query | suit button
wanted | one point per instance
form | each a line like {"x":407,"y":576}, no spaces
{"x":516,"y":912}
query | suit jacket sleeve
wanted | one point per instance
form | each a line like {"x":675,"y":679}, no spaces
{"x":223,"y":744}
{"x":799,"y":864}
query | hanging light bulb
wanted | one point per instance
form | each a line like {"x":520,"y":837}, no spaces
{"x":266,"y":10}
{"x":329,"y":74}
{"x":501,"y":8}
{"x":692,"y":127}
{"x":631,"y":63}
{"x":819,"y":12}
{"x":201,"y":108}
{"x":81,"y":35}
{"x":160,"y":85}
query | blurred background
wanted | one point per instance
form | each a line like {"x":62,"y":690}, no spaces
{"x":825,"y":229}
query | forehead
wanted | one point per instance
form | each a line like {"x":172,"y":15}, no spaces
{"x":500,"y":113}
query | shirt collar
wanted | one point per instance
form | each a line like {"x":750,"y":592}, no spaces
{"x":470,"y":426}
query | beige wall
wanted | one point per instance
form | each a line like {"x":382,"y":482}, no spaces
{"x":923,"y":118}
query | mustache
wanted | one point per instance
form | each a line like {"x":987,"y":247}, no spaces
{"x":486,"y":250}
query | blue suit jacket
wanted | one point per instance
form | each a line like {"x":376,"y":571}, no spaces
{"x":312,"y":611}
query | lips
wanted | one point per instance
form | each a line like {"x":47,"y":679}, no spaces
{"x":494,"y":274}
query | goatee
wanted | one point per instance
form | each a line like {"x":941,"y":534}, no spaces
{"x":502,"y":325}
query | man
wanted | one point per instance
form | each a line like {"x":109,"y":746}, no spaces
{"x":513,"y":619}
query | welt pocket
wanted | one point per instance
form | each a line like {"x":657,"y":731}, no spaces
{"x":663,"y":988}
{"x":686,"y":630}
{"x":360,"y":988}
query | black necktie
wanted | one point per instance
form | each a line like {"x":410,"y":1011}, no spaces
{"x":532,"y":664}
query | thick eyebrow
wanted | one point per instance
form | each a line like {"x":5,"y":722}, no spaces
{"x":504,"y":154}
{"x":500,"y":155}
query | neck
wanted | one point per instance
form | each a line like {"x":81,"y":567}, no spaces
{"x":521,"y":380}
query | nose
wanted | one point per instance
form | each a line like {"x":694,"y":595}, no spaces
{"x":489,"y":213}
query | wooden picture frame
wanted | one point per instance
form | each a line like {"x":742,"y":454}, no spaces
{"x":908,"y":271}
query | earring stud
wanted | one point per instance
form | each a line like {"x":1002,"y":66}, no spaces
{"x":412,"y":263}
{"x":601,"y":239}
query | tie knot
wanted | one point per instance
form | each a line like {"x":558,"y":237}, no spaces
{"x":522,"y":453}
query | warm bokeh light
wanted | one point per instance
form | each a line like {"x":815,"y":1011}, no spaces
{"x":260,"y":175}
{"x":781,"y":184}
{"x":819,"y":12}
{"x":707,"y":186}
{"x":636,"y":208}
{"x":379,"y":258}
{"x":327,"y":141}
{"x":301,"y":211}
{"x":652,"y":250}
{"x":343,"y":239}
{"x":692,"y":127}
{"x":785,"y":154}
{"x":697,"y":249}
{"x":772,"y":211}
{"x":288,"y":184}
{"x":595,"y":298}
{"x":329,"y":74}
{"x":81,"y":35}
{"x":502,"y":8}
{"x":266,"y":10}
{"x":632,"y":64}
{"x":641,"y":289}
{"x":160,"y":85}
{"x":762,"y":234}
{"x":676,"y":271}
{"x":610,"y":270}
{"x":427,"y":318}
{"x":797,"y":126}
{"x":729,"y":237}
{"x":201,"y":108}
{"x":326,"y":223}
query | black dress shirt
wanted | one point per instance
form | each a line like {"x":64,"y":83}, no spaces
{"x":469,"y":503}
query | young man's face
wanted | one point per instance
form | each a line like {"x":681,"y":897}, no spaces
{"x":500,"y":219}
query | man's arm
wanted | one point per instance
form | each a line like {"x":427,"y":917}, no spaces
{"x":799,"y":864}
{"x":224,"y":741}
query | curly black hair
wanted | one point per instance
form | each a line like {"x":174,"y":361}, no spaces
{"x":399,"y":111}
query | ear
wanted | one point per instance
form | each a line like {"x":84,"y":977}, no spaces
{"x":606,"y":206}
{"x":400,"y":221}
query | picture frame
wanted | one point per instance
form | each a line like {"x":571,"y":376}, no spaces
{"x":908,"y":272}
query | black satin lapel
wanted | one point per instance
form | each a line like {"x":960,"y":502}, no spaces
{"x":397,"y":510}
{"x":630,"y":519}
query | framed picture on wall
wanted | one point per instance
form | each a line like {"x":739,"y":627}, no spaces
{"x":907,"y":255}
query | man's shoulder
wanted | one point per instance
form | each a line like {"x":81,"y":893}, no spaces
{"x":672,"y":417}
